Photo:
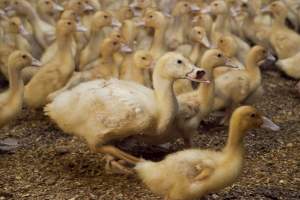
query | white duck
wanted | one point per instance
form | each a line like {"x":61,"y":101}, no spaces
{"x":102,"y":111}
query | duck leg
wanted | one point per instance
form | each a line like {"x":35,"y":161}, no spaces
{"x":115,"y":152}
{"x":115,"y":167}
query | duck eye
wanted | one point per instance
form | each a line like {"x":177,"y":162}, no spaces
{"x":105,"y":16}
{"x":143,"y":58}
{"x":219,"y":55}
{"x":79,"y":3}
{"x":179,"y":61}
{"x":69,"y":23}
{"x":221,"y":41}
{"x":24,"y":56}
{"x":47,"y":2}
{"x":185,"y":5}
{"x":253,"y":115}
{"x":215,"y":4}
{"x":151,"y":16}
{"x":244,"y":5}
{"x":114,"y":43}
{"x":199,"y":32}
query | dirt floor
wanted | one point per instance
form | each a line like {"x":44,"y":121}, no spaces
{"x":47,"y":164}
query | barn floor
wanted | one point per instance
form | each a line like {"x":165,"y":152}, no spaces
{"x":47,"y":164}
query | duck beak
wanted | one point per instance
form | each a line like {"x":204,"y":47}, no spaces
{"x":8,"y":9}
{"x":35,"y":62}
{"x":58,"y":8}
{"x":195,"y":8}
{"x":206,"y":10}
{"x":268,"y":124}
{"x":270,"y":57}
{"x":206,"y":42}
{"x":88,"y":7}
{"x":80,"y":28}
{"x":265,"y":10}
{"x":140,"y":23}
{"x":229,"y":63}
{"x":115,"y":23}
{"x":197,"y":75}
{"x":125,"y":48}
{"x":23,"y":31}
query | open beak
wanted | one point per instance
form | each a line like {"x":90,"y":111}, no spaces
{"x":115,"y":23}
{"x":206,"y":42}
{"x":35,"y":62}
{"x":195,"y":8}
{"x":80,"y":28}
{"x":125,"y":48}
{"x":206,"y":10}
{"x":268,"y":124}
{"x":197,"y":75}
{"x":58,"y":8}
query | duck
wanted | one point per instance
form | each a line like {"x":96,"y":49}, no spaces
{"x":221,"y":26}
{"x":135,"y":71}
{"x":11,"y":101}
{"x":53,"y":75}
{"x":90,"y":53}
{"x":290,"y":66}
{"x":50,"y":52}
{"x":199,"y":44}
{"x":194,"y":173}
{"x":49,"y":11}
{"x":285,"y":41}
{"x":43,"y":32}
{"x":203,"y":20}
{"x":196,"y":105}
{"x":177,"y":30}
{"x":236,"y":86}
{"x":157,"y":21}
{"x":141,"y":111}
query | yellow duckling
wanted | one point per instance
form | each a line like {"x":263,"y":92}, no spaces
{"x":194,"y":173}
{"x":55,"y":74}
{"x":137,"y":66}
{"x":49,"y":11}
{"x":236,"y":86}
{"x":11,"y":101}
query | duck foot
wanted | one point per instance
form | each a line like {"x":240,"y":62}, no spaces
{"x":113,"y":166}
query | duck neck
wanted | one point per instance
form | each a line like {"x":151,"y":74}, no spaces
{"x":32,"y":15}
{"x":16,"y":84}
{"x":166,"y":101}
{"x":96,"y":38}
{"x":235,"y":139}
{"x":64,"y":43}
{"x":220,"y":23}
{"x":107,"y":56}
{"x":252,"y":67}
{"x":158,"y":40}
{"x":196,"y":50}
{"x":279,"y":22}
{"x":207,"y":92}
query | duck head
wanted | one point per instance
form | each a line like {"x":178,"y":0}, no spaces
{"x":21,"y":59}
{"x":102,"y":19}
{"x":79,"y":6}
{"x":183,"y":8}
{"x":173,"y":66}
{"x":154,"y":19}
{"x":90,"y":6}
{"x":49,"y":7}
{"x":70,"y":15}
{"x":277,"y":8}
{"x":214,"y":58}
{"x":20,"y":6}
{"x":217,"y":7}
{"x":259,"y":55}
{"x":247,"y":117}
{"x":143,"y":59}
{"x":67,"y":27}
{"x":198,"y":34}
{"x":228,"y":45}
{"x":124,"y":13}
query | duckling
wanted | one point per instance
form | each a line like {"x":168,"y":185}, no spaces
{"x":290,"y":66}
{"x":222,"y":27}
{"x":100,"y":20}
{"x":50,"y":52}
{"x":157,"y":21}
{"x":49,"y":10}
{"x":43,"y":32}
{"x":135,"y":71}
{"x":53,"y":75}
{"x":285,"y":41}
{"x":236,"y":86}
{"x":205,"y":21}
{"x":196,"y":105}
{"x":11,"y":100}
{"x":117,"y":109}
{"x":194,"y":173}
